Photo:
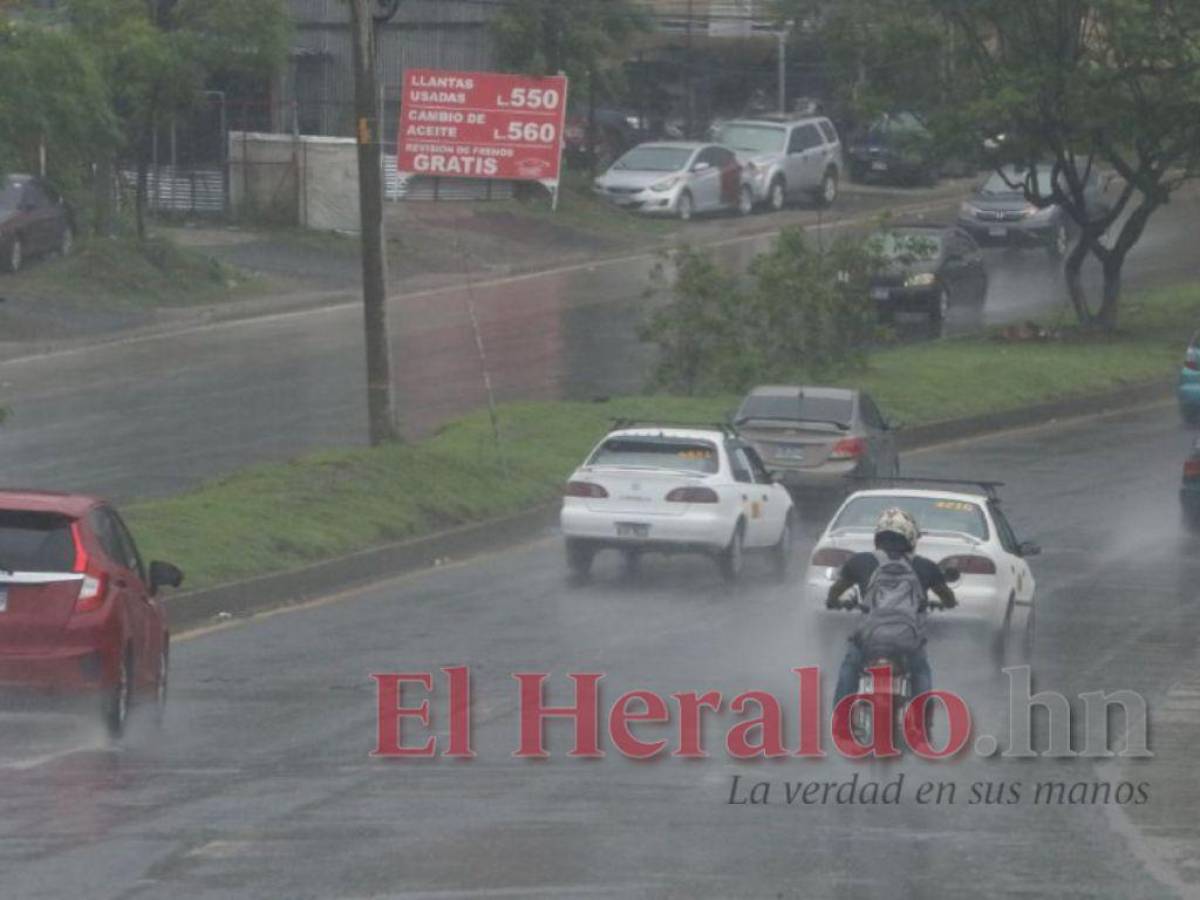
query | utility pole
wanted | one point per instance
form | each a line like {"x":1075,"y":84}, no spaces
{"x":381,"y":413}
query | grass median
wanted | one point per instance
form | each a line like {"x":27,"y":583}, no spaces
{"x":275,"y":517}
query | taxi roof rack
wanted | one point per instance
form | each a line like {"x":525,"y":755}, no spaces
{"x":988,"y":487}
{"x":724,"y":427}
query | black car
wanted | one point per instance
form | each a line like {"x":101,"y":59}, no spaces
{"x":896,"y":148}
{"x":34,"y":220}
{"x":999,"y":215}
{"x":927,"y":268}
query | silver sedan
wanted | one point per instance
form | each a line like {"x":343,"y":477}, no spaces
{"x":677,"y":178}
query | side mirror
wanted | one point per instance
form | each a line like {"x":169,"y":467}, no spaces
{"x":952,"y":574}
{"x":163,"y":574}
{"x":1029,"y":548}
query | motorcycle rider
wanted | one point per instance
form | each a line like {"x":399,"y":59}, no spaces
{"x":896,"y":536}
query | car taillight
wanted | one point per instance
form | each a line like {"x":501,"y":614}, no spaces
{"x":1191,"y":469}
{"x":585,"y":489}
{"x":693,"y":495}
{"x":970,"y":564}
{"x":849,"y":448}
{"x":1192,"y":362}
{"x":94,"y":587}
{"x":831,"y":556}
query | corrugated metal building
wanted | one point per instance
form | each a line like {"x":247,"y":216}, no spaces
{"x":318,"y":87}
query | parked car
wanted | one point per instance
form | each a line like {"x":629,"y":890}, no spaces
{"x":787,"y":157}
{"x":896,"y":147}
{"x":1189,"y":383}
{"x":80,"y":614}
{"x":818,"y":440}
{"x":960,"y":529}
{"x":649,"y":488}
{"x":998,"y":214}
{"x":928,"y":268}
{"x":616,"y":132}
{"x":34,"y":220}
{"x":677,"y":178}
{"x":1189,"y":491}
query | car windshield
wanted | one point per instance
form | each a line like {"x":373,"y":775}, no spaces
{"x":798,"y":407}
{"x":933,"y":514}
{"x":36,"y":542}
{"x":654,"y":159}
{"x":10,"y":196}
{"x":752,"y":138}
{"x":915,"y":244}
{"x":677,"y":454}
{"x":999,"y":185}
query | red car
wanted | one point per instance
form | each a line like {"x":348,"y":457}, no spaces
{"x":34,"y":220}
{"x":80,"y":614}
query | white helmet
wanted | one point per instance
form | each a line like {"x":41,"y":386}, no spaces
{"x":897,"y":521}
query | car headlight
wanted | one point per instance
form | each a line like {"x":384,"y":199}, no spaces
{"x":922,"y":279}
{"x":597,"y":185}
{"x":968,"y":210}
{"x":666,"y":184}
{"x":1032,"y":212}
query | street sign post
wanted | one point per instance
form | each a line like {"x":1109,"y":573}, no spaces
{"x":482,"y":125}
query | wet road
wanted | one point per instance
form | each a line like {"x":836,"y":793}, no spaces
{"x":153,"y":415}
{"x":262,"y":786}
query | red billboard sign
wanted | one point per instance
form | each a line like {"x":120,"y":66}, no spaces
{"x":482,"y":125}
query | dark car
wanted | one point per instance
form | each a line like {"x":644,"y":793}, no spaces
{"x":1189,"y":491}
{"x":998,"y":214}
{"x":895,"y":148}
{"x":818,"y":440}
{"x":80,"y":613}
{"x":34,"y":220}
{"x":926,"y":269}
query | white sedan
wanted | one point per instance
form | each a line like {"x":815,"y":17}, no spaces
{"x":660,"y":489}
{"x":965,"y":531}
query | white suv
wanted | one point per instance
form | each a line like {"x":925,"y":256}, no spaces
{"x":656,"y":489}
{"x":786,"y":157}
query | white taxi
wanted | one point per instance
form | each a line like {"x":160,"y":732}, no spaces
{"x":668,"y":489}
{"x":965,"y":531}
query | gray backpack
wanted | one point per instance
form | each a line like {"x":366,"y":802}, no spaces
{"x":895,"y":597}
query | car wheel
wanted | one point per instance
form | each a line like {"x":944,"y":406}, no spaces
{"x":160,"y":687}
{"x":829,"y":189}
{"x":1057,"y":248}
{"x":746,"y":202}
{"x":66,"y":243}
{"x":781,"y":553}
{"x":116,"y":703}
{"x":15,"y":256}
{"x":733,"y":558}
{"x":777,"y":195}
{"x":939,"y":307}
{"x":579,"y":558}
{"x":685,"y":207}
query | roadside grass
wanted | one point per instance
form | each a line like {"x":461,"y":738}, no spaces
{"x":123,"y":273}
{"x":276,"y":517}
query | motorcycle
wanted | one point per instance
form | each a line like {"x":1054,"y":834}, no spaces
{"x":898,"y":683}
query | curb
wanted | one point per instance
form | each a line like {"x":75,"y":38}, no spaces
{"x":189,"y":611}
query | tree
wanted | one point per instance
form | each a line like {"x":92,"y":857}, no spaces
{"x":1104,"y":83}
{"x":588,"y":40}
{"x":804,"y":311}
{"x":157,"y":55}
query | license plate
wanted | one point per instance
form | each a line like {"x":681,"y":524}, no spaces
{"x":879,"y":166}
{"x":632,"y":530}
{"x":793,"y":453}
{"x":880,"y":293}
{"x":996,"y":231}
{"x":3,"y":599}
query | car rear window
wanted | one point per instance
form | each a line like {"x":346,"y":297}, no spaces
{"x":677,"y":454}
{"x":799,"y":408}
{"x":933,"y":514}
{"x":36,"y":542}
